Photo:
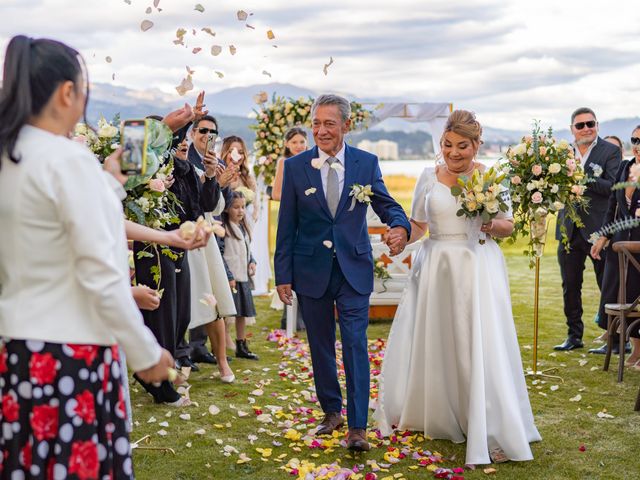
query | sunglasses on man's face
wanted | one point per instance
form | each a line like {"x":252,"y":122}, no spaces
{"x":205,"y":131}
{"x":581,"y":125}
{"x":635,"y":140}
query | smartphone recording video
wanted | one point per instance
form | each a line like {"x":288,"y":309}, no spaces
{"x":134,"y":147}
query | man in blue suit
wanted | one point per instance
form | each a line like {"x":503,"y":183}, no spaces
{"x":323,"y":253}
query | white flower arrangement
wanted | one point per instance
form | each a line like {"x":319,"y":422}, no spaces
{"x":596,"y":169}
{"x":361,"y":194}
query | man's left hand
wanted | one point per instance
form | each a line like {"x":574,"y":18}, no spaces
{"x":396,"y":239}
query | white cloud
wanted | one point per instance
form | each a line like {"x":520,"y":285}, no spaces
{"x":510,"y":61}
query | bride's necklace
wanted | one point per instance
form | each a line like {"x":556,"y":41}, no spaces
{"x":456,"y":174}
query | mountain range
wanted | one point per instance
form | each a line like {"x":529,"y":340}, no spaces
{"x":233,"y":109}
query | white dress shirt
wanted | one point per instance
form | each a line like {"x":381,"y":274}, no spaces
{"x":583,"y":158}
{"x":324,"y":169}
{"x":64,"y":273}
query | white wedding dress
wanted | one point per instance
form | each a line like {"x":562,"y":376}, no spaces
{"x":452,"y":366}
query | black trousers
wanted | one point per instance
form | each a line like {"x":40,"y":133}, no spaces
{"x":170,"y":321}
{"x":572,"y":264}
{"x":197,"y":345}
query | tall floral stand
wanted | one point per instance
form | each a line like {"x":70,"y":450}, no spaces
{"x":538,"y":231}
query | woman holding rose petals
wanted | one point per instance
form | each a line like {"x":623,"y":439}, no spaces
{"x":66,"y":302}
{"x":452,"y":367}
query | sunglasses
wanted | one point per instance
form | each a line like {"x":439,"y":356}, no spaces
{"x":635,"y":140}
{"x":581,"y":125}
{"x":204,"y":130}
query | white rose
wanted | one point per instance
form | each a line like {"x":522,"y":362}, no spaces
{"x":107,"y":131}
{"x":531,"y":186}
{"x":520,"y":149}
{"x":493,"y":206}
{"x":563,"y":145}
{"x":472,"y":205}
{"x":554,"y":189}
{"x":554,"y":168}
{"x":480,"y":197}
{"x":558,"y":205}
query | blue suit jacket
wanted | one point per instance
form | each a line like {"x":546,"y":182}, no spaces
{"x":305,"y":224}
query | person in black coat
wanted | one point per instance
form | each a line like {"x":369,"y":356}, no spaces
{"x":601,"y":161}
{"x":623,"y":203}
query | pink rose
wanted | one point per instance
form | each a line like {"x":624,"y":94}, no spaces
{"x":577,"y":189}
{"x":516,"y":180}
{"x":156,"y":185}
{"x":536,"y":197}
{"x":571,"y":164}
{"x":536,"y":170}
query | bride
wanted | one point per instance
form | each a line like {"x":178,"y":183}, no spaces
{"x":453,"y":336}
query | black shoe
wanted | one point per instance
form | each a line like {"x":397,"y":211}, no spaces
{"x":205,"y":358}
{"x":186,"y":362}
{"x":242,"y":350}
{"x":615,"y":350}
{"x":569,"y":344}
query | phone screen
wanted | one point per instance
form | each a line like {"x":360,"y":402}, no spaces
{"x":133,"y":157}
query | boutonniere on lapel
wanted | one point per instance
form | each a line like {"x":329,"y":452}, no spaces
{"x":316,"y":163}
{"x":360,"y":193}
{"x":596,"y":169}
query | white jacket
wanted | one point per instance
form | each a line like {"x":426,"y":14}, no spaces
{"x":64,"y":275}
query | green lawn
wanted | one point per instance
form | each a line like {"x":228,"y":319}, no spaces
{"x":565,"y":425}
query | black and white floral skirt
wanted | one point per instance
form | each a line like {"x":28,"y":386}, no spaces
{"x":63,"y":412}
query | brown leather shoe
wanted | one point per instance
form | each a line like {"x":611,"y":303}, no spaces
{"x":331,"y":421}
{"x":357,"y":440}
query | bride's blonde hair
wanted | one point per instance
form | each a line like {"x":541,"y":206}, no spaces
{"x":463,"y":122}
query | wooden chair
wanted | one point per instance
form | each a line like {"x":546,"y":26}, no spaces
{"x":619,"y":313}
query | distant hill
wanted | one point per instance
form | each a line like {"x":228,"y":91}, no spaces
{"x":233,"y":107}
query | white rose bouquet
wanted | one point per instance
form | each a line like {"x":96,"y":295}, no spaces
{"x":481,"y":195}
{"x":545,"y":177}
{"x":103,"y":141}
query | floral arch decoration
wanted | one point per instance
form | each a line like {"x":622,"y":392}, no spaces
{"x":272,"y":121}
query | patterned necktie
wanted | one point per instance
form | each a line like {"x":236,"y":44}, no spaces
{"x":333,"y":185}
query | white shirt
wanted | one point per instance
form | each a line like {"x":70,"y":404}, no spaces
{"x":583,"y":158}
{"x":324,"y":169}
{"x":64,"y":273}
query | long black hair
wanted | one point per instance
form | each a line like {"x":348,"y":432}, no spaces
{"x":33,"y":70}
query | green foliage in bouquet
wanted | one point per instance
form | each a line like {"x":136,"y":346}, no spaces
{"x":380,"y":270}
{"x":272,"y":121}
{"x":544,"y":178}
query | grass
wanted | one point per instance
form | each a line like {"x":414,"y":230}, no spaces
{"x":610,"y":443}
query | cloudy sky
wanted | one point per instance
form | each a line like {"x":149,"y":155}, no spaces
{"x":508,"y":60}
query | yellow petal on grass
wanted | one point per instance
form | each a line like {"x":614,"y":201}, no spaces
{"x":310,"y":191}
{"x":146,"y":25}
{"x":325,"y":69}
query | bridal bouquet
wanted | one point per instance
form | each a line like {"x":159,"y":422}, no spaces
{"x":481,"y":195}
{"x":545,"y":178}
{"x":103,"y":141}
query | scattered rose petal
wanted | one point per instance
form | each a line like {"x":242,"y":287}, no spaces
{"x":489,"y":471}
{"x":604,"y":414}
{"x":152,"y":420}
{"x":199,"y":8}
{"x":257,"y":392}
{"x":185,"y":86}
{"x":148,"y":10}
{"x":264,"y":72}
{"x":213,"y":410}
{"x":188,"y":445}
{"x":310,"y":191}
{"x":209,"y":30}
{"x":582,"y":448}
{"x":327,"y":243}
{"x":553,"y":388}
{"x":577,"y":398}
{"x":200,"y":431}
{"x":185,"y":416}
{"x":180,"y":33}
{"x":242,"y":414}
{"x":196,"y":50}
{"x":242,"y":15}
{"x":108,"y":59}
{"x":146,"y":25}
{"x":325,"y":69}
{"x":189,"y":71}
{"x":219,"y":74}
{"x":216,"y":50}
{"x":270,"y":35}
{"x":162,"y":433}
{"x":583,"y":362}
{"x":156,"y":3}
{"x":232,"y":49}
{"x":164,"y":424}
{"x":250,"y":26}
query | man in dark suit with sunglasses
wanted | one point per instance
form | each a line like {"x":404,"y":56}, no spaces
{"x":600,"y":160}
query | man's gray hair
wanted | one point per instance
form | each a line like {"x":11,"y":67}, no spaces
{"x":329,"y":99}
